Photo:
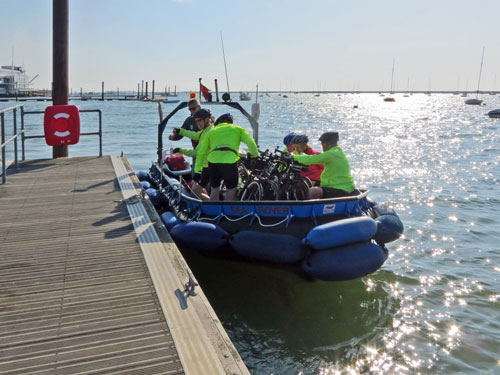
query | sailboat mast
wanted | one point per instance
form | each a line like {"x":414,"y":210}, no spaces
{"x":480,"y":71}
{"x":224,"y":56}
{"x":392,"y":76}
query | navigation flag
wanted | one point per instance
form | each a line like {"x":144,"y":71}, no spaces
{"x":205,"y":91}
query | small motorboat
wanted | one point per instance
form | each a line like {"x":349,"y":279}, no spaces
{"x":325,"y":239}
{"x":389,"y":99}
{"x":474,"y":101}
{"x":245,"y":96}
{"x":494,"y":114}
{"x":171,"y":101}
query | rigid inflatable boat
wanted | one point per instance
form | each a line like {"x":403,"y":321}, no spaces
{"x":328,"y":239}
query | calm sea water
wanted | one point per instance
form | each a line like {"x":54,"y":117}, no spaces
{"x":433,"y":308}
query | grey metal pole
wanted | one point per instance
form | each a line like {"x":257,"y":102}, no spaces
{"x":23,"y":156}
{"x":15,"y":139}
{"x":4,"y":169}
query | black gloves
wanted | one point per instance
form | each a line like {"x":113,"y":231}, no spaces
{"x":197,"y":178}
{"x":175,"y":150}
{"x":176,"y":130}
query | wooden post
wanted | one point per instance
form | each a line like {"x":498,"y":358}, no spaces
{"x":142,"y":89}
{"x":138,"y":91}
{"x":60,"y":13}
{"x":153,"y":90}
{"x":216,"y":90}
{"x":81,"y":92}
{"x":118,"y":92}
{"x":102,"y":91}
{"x":146,"y":89}
{"x":199,"y":80}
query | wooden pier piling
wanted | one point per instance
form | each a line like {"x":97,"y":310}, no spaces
{"x":60,"y":11}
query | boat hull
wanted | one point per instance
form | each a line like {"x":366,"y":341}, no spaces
{"x":348,"y":230}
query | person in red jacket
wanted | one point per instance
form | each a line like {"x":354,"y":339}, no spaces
{"x":301,"y":145}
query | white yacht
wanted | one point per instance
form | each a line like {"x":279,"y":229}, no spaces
{"x":13,"y":80}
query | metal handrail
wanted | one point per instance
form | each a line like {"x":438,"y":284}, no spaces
{"x":24,"y":137}
{"x":13,"y":138}
{"x":99,"y":133}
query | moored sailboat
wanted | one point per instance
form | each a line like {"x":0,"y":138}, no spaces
{"x":390,"y":98}
{"x":477,"y":101}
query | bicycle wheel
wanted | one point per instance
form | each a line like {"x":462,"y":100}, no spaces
{"x":301,"y":189}
{"x":271,"y":191}
{"x":253,"y":192}
{"x":308,"y":181}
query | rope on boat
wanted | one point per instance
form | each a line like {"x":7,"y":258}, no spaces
{"x":271,"y":225}
{"x":224,"y":216}
{"x":243,"y":217}
{"x":240,"y":218}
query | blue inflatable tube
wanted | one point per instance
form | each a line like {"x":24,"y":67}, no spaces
{"x":154,"y":196}
{"x":199,"y":236}
{"x":145,"y":185}
{"x":170,"y":220}
{"x":269,"y":247}
{"x":389,"y":229}
{"x":142,"y":176}
{"x":346,"y":262}
{"x":341,"y":232}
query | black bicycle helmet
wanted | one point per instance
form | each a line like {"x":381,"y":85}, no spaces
{"x":329,"y":137}
{"x":225,"y":118}
{"x":287,"y":141}
{"x":202,"y":113}
{"x":300,"y":138}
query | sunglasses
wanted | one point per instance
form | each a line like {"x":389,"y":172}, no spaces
{"x":192,"y":109}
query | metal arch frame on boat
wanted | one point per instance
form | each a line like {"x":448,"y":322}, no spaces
{"x":235,"y":105}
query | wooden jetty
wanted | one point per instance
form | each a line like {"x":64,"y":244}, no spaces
{"x":91,"y":283}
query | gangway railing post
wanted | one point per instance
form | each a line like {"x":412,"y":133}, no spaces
{"x":4,"y":169}
{"x":15,"y":139}
{"x":23,"y":153}
{"x":100,"y":132}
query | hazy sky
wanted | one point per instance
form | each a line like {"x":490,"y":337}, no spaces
{"x":298,"y":45}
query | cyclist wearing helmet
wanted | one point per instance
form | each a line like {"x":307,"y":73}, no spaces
{"x":301,"y":145}
{"x":287,"y":141}
{"x":336,"y":179}
{"x":204,"y":122}
{"x":189,"y":123}
{"x":225,"y":118}
{"x":220,"y":148}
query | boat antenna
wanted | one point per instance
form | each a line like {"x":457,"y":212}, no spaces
{"x":224,"y":56}
{"x":480,"y":71}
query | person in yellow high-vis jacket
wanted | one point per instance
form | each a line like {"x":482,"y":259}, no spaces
{"x":204,"y":122}
{"x":336,"y":179}
{"x":220,"y":148}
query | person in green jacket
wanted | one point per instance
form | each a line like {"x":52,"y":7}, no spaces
{"x":220,"y":148}
{"x":204,"y":122}
{"x":336,"y":179}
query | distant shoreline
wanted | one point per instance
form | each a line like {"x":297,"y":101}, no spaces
{"x":131,"y":96}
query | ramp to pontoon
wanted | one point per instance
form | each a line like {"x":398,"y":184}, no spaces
{"x":88,"y":282}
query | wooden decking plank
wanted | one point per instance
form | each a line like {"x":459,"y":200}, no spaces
{"x":76,"y":296}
